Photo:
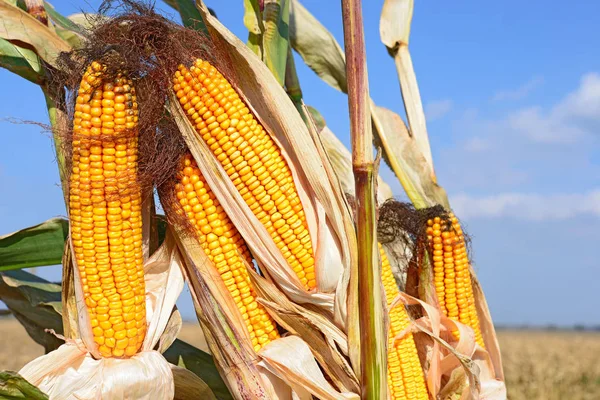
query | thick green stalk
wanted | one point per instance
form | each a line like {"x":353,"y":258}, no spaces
{"x":372,"y":329}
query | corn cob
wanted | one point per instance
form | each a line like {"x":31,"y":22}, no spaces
{"x":452,"y":273}
{"x":405,"y":374}
{"x":251,"y":159}
{"x":105,"y":211}
{"x":225,"y":247}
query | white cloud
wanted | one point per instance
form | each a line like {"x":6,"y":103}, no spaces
{"x":477,"y":144}
{"x":437,"y":109}
{"x":576,"y":117}
{"x":528,"y":206}
{"x":521,"y":92}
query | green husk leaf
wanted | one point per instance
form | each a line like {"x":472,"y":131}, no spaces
{"x":35,"y":303}
{"x":13,"y":387}
{"x":36,"y":246}
{"x":268,"y":33}
{"x":21,"y":61}
{"x":16,"y":24}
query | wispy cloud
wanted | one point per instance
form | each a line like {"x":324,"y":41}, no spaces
{"x":573,"y":118}
{"x":519,"y":93}
{"x":437,"y":109}
{"x":528,"y":206}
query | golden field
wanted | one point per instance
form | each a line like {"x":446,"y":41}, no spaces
{"x":538,"y":365}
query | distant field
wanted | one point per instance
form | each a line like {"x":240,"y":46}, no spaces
{"x":538,"y":365}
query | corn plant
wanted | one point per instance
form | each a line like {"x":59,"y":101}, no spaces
{"x":308,"y":279}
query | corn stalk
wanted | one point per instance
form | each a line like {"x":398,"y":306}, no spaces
{"x":372,"y":331}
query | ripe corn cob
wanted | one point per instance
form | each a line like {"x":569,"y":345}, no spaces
{"x":251,"y":159}
{"x":405,"y":374}
{"x":452,"y":274}
{"x":105,"y":211}
{"x":225,"y":247}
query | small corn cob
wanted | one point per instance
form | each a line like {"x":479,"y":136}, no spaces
{"x":452,"y":273}
{"x":405,"y":374}
{"x":105,"y":211}
{"x":251,"y":159}
{"x":225,"y":247}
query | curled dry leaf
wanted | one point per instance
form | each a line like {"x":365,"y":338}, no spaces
{"x":402,"y":154}
{"x":319,"y":333}
{"x":18,"y":25}
{"x":291,"y":360}
{"x":394,"y":26}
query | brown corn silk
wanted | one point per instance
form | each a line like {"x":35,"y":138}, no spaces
{"x":105,"y":211}
{"x":223,"y":245}
{"x":452,"y":272}
{"x":405,"y":374}
{"x":251,"y":159}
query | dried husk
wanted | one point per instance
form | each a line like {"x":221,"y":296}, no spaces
{"x":325,"y":217}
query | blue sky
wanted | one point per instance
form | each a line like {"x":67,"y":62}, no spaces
{"x":512,"y":94}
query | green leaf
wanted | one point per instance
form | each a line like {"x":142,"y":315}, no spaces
{"x":37,"y":246}
{"x":43,"y":245}
{"x":61,"y":20}
{"x":276,"y":19}
{"x":36,"y":303}
{"x":200,"y":363}
{"x":13,"y":387}
{"x":20,"y":61}
{"x":16,"y":24}
{"x":190,"y":16}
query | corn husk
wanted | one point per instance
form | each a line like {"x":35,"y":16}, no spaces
{"x":326,"y":214}
{"x":72,"y":371}
{"x":249,"y":374}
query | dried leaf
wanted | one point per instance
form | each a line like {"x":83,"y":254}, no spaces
{"x":318,"y":332}
{"x":291,"y":360}
{"x":394,"y":26}
{"x":404,"y":157}
{"x":17,"y":24}
{"x":317,"y":46}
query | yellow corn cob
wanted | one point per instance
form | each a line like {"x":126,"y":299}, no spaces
{"x":251,"y":159}
{"x":405,"y":374}
{"x":105,"y":211}
{"x":452,"y":273}
{"x":225,"y":247}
